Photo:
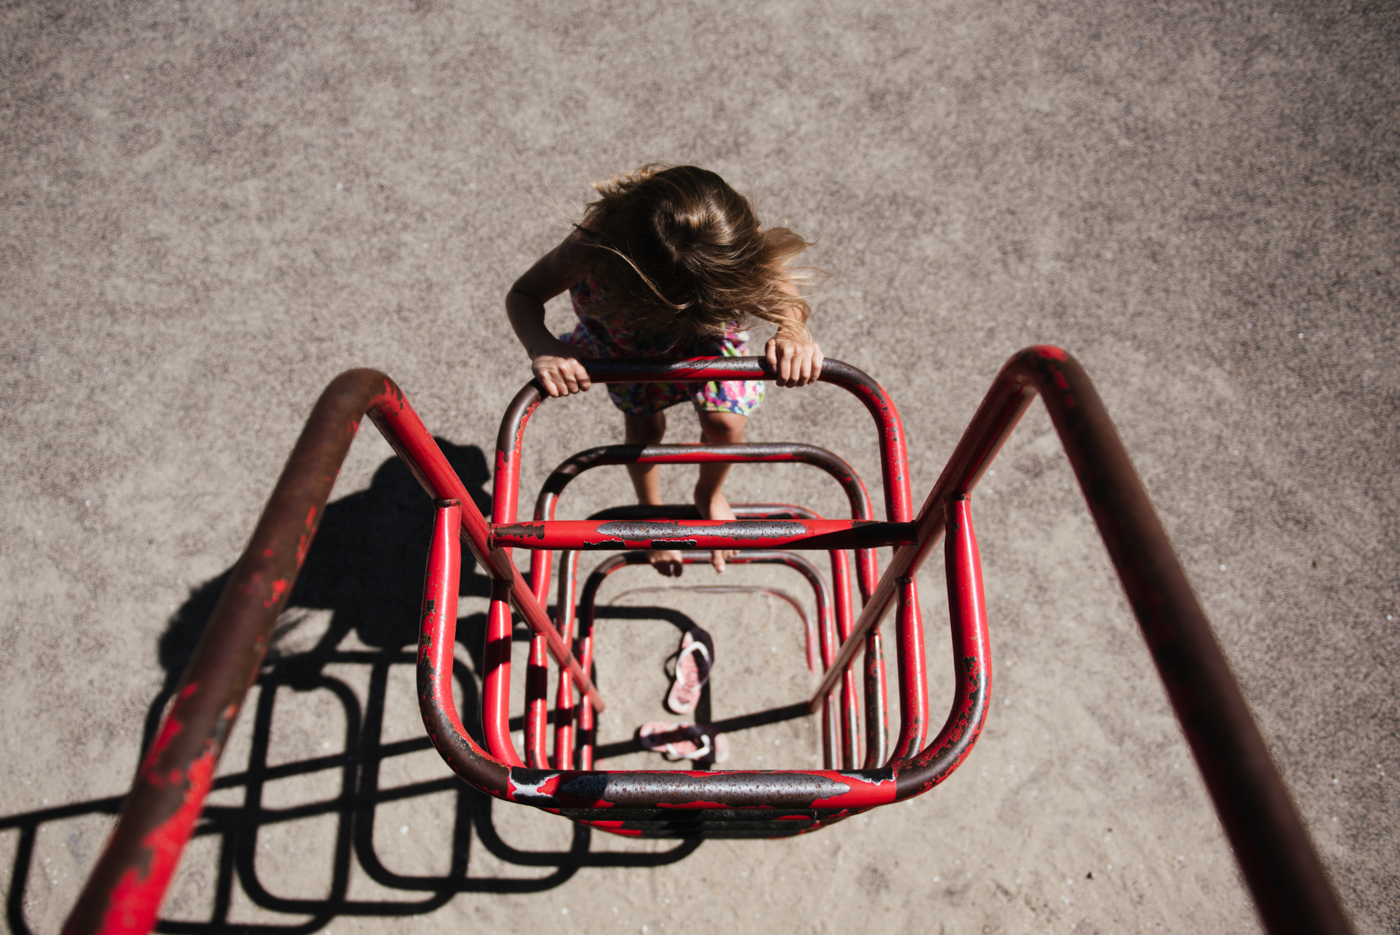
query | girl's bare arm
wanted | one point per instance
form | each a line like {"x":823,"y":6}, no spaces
{"x":553,"y":362}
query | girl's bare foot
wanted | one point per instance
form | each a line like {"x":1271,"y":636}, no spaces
{"x":667,"y":561}
{"x":715,"y":506}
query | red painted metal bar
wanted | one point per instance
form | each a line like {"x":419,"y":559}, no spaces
{"x":565,"y":706}
{"x":832,"y":718}
{"x":436,"y":644}
{"x":1281,"y":867}
{"x":626,"y":802}
{"x":910,"y":668}
{"x":821,"y":592}
{"x":972,"y":660}
{"x":832,"y":739}
{"x":893,"y":458}
{"x":747,"y":803}
{"x":129,"y":880}
{"x":909,"y":637}
{"x":867,"y":563}
{"x":867,"y":567}
{"x":495,"y":681}
{"x":568,"y":588}
{"x":972,"y":666}
{"x":537,"y":675}
{"x":538,"y":621}
{"x":567,"y":612}
{"x":607,"y":795}
{"x":850,"y":698}
{"x":876,"y":702}
{"x":591,"y":535}
{"x":537,"y":704}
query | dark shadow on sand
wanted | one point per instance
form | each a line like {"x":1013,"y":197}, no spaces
{"x":366,"y":568}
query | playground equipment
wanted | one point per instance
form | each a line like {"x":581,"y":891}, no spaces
{"x":1279,"y":864}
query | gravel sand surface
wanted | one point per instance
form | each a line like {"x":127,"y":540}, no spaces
{"x":210,"y":209}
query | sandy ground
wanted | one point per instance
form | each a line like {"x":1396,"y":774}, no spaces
{"x":210,"y":209}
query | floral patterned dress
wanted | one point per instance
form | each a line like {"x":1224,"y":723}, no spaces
{"x":603,"y":331}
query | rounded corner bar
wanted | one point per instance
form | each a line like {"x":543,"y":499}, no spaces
{"x":909,"y":641}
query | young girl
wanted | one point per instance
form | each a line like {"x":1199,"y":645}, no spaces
{"x":669,"y":262}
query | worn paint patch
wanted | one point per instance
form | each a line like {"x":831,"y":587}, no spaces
{"x":537,"y":792}
{"x":521,"y":531}
{"x":279,"y":589}
{"x":137,"y":896}
{"x":746,"y":530}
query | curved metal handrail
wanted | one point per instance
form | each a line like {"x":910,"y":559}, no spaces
{"x":1282,"y":870}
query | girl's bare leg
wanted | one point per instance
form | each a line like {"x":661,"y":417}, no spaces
{"x":717,"y":428}
{"x":646,"y":479}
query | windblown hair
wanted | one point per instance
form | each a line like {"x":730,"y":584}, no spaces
{"x":683,"y":250}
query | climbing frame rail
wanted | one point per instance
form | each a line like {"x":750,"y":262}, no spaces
{"x":1281,"y":868}
{"x":840,"y":728}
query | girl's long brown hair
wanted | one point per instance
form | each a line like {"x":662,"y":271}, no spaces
{"x":683,"y":252}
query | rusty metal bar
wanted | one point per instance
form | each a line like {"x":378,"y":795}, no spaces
{"x":867,"y":567}
{"x":893,"y":457}
{"x":610,"y":799}
{"x":867,"y":571}
{"x":909,"y":637}
{"x":592,"y":535}
{"x":130,"y":878}
{"x":1284,"y":873}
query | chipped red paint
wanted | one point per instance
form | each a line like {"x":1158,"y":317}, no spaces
{"x":279,"y":591}
{"x":155,"y":817}
{"x":867,"y":565}
{"x":136,"y":897}
{"x":158,"y":816}
{"x":822,"y":597}
{"x":589,"y":535}
{"x":972,"y":662}
{"x":437,"y":640}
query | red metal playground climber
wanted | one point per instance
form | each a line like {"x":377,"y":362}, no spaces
{"x":862,"y":771}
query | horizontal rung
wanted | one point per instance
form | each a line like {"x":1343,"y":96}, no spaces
{"x":702,"y":534}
